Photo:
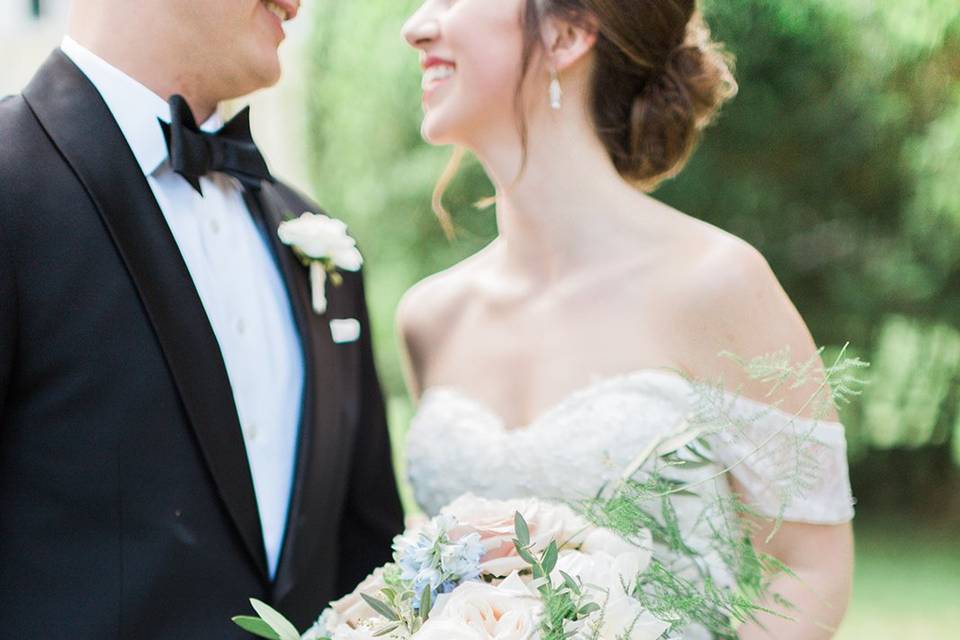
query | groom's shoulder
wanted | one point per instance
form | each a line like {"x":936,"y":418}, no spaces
{"x":14,"y":114}
{"x":13,"y":110}
{"x":21,"y":136}
{"x":294,"y":199}
{"x":21,"y":148}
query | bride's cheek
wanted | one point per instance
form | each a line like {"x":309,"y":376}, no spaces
{"x":485,"y":44}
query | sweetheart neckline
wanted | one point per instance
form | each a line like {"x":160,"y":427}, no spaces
{"x":555,"y":407}
{"x":671,"y":375}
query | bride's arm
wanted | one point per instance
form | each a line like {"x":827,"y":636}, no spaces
{"x":821,"y":556}
{"x":748,"y":313}
{"x":406,"y":331}
{"x":422,"y":319}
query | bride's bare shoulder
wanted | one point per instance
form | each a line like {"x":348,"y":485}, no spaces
{"x":733,"y":280}
{"x":730,"y":299}
{"x":430,"y":307}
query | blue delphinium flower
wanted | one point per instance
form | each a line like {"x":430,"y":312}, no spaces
{"x":430,"y":560}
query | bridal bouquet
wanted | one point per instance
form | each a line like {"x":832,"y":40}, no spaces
{"x":505,"y":569}
{"x":628,"y":563}
{"x":529,"y":569}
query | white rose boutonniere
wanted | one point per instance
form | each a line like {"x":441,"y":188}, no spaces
{"x":322,"y":244}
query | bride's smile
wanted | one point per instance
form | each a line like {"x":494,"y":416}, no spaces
{"x":436,"y":72}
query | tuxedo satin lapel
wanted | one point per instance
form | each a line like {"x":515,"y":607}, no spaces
{"x":320,"y":429}
{"x":79,"y":123}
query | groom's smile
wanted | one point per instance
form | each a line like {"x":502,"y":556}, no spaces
{"x":283,"y":9}
{"x":256,"y":43}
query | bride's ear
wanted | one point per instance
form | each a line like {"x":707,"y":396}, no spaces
{"x":566,"y":43}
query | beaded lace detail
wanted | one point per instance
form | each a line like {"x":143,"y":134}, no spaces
{"x":458,"y":445}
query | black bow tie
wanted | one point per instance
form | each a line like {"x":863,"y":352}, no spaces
{"x":231,"y":150}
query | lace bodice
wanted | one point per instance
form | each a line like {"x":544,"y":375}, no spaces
{"x":784,"y":466}
{"x":458,"y":445}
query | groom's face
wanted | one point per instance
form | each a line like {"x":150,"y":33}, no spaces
{"x":235,"y":42}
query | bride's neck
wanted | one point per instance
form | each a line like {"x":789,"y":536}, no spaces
{"x":566,"y":208}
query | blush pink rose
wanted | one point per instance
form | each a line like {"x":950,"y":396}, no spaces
{"x":352,"y":609}
{"x":493,"y":520}
{"x":481,"y":611}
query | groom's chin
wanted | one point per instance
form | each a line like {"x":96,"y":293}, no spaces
{"x":272,"y":77}
{"x":265,"y":75}
{"x":257,"y":64}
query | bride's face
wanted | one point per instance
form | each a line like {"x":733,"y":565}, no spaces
{"x":470,"y":52}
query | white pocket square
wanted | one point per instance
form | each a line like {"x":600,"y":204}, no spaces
{"x":345,"y":330}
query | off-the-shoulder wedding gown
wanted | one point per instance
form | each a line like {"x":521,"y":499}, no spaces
{"x":458,"y":445}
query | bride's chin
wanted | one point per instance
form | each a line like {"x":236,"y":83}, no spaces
{"x":433,"y":132}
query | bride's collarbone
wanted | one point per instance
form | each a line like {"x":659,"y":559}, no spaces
{"x":528,"y":356}
{"x":520,"y":353}
{"x":522,"y":378}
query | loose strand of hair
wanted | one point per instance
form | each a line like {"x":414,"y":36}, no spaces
{"x":450,"y":172}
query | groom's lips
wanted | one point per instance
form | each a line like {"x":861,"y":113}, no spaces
{"x":292,"y":7}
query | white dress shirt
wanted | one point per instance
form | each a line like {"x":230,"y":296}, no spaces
{"x":239,"y":285}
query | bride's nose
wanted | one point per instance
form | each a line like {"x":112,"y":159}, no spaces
{"x":421,"y":28}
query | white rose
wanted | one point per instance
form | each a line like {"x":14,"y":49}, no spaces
{"x":345,"y":632}
{"x":494,"y":521}
{"x":436,"y":629}
{"x":602,"y":571}
{"x":352,"y":609}
{"x":364,"y":630}
{"x":625,"y":618}
{"x":605,"y":577}
{"x":328,"y":620}
{"x":481,"y":611}
{"x":318,"y":236}
{"x":594,"y":571}
{"x":608,"y":541}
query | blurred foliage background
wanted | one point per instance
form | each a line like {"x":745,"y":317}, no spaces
{"x":839,"y":160}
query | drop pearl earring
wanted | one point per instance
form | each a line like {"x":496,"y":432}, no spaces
{"x":556,"y":93}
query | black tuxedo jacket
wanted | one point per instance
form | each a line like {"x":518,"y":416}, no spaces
{"x":126,"y":502}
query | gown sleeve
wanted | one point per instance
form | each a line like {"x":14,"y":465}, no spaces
{"x":788,"y":467}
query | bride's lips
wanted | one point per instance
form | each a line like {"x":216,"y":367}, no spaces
{"x":436,"y":72}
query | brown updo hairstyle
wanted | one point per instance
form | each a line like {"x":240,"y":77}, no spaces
{"x":658,"y":80}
